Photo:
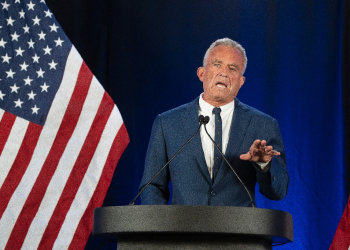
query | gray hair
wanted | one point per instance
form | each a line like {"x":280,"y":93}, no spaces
{"x":230,"y":43}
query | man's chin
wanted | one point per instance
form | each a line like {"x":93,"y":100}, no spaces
{"x":220,"y":100}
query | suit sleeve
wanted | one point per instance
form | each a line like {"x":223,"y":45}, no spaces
{"x":274,"y":182}
{"x":157,"y":193}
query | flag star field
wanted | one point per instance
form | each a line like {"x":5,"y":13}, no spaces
{"x":33,"y":53}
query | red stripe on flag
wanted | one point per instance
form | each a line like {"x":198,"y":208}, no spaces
{"x":6,"y":124}
{"x":20,"y":164}
{"x":78,"y":173}
{"x":64,"y":133}
{"x":341,"y":238}
{"x":85,"y":225}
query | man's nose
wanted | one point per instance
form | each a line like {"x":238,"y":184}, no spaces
{"x":223,"y":73}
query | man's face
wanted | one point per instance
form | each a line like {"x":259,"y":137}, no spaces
{"x":222,"y":76}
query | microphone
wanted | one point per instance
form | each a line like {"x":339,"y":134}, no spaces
{"x":246,"y":189}
{"x":202,"y":120}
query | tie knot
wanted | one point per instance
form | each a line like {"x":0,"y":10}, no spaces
{"x":216,"y":110}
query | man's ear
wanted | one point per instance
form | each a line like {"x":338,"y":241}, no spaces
{"x":200,"y":73}
{"x":242,"y":80}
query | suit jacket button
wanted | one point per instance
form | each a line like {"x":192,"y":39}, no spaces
{"x":212,"y":193}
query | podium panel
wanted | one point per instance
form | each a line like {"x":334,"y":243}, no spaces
{"x":193,"y":227}
{"x":189,"y":242}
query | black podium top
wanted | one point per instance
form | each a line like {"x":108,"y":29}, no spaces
{"x":274,"y":225}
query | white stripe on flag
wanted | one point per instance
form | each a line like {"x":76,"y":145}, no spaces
{"x":65,"y":166}
{"x":90,"y":181}
{"x":43,"y":147}
{"x":11,"y":148}
{"x":1,"y":113}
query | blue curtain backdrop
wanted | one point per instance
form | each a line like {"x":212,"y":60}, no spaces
{"x":146,"y":54}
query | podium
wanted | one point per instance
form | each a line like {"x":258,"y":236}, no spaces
{"x":193,"y":227}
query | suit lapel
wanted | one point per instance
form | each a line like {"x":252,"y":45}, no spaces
{"x":240,"y":123}
{"x":190,"y":124}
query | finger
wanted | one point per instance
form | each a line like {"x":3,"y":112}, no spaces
{"x":255,"y":146}
{"x":268,"y":152}
{"x":256,"y":152}
{"x":262,"y":146}
{"x":245,"y":157}
{"x":268,"y":149}
{"x":256,"y":143}
{"x":271,"y":154}
{"x":274,"y":152}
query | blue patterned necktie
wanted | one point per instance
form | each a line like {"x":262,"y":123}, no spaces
{"x":218,"y":141}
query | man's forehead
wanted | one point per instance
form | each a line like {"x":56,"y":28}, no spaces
{"x":223,"y":53}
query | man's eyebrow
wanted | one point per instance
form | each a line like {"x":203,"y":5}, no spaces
{"x":234,"y":65}
{"x":217,"y":61}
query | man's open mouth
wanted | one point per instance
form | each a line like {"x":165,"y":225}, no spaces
{"x":221,"y":85}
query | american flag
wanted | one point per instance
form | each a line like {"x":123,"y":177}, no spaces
{"x":341,"y":238}
{"x":61,"y":135}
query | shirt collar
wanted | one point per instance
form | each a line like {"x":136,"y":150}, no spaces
{"x":207,"y":109}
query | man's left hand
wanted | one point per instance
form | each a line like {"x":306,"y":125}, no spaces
{"x":259,"y":152}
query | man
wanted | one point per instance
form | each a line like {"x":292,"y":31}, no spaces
{"x":250,"y":140}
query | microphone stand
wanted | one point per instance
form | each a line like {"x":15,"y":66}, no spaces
{"x":250,"y":197}
{"x":201,"y":120}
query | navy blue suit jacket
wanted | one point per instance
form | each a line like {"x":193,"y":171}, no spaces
{"x":188,"y":172}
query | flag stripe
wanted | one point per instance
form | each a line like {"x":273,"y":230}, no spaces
{"x":78,"y":173}
{"x":65,"y":132}
{"x":11,"y":147}
{"x":20,"y":164}
{"x":6,"y":124}
{"x":65,"y":166}
{"x":89,"y":183}
{"x":1,"y":114}
{"x":81,"y":234}
{"x":341,"y":238}
{"x":44,"y":144}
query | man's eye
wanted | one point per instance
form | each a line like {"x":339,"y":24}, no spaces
{"x":232,"y":69}
{"x":216,"y":64}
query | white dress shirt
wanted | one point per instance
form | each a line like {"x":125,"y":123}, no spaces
{"x":226,"y":114}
